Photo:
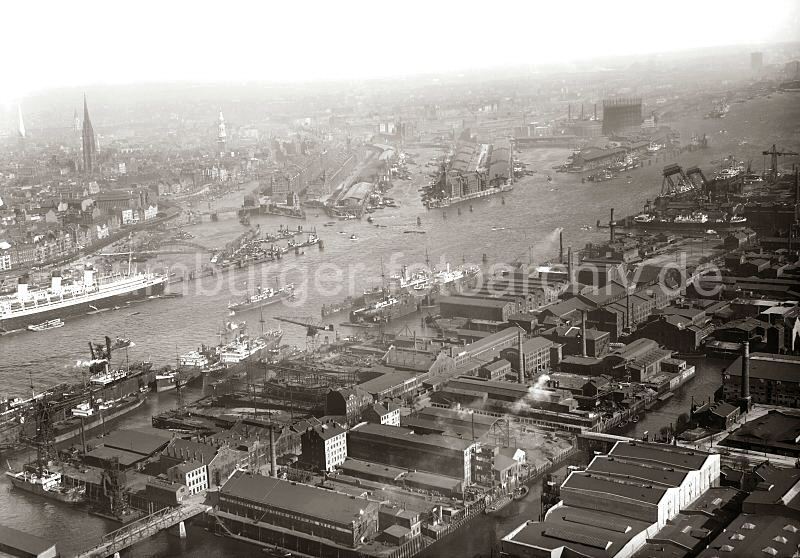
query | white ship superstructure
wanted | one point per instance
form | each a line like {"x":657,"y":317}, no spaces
{"x":27,"y":306}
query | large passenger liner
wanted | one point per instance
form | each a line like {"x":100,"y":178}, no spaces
{"x":26,"y":307}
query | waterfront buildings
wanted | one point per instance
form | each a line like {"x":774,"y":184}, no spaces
{"x":620,"y":501}
{"x":324,"y":446}
{"x":774,"y":379}
{"x":264,"y":507}
{"x":400,"y":447}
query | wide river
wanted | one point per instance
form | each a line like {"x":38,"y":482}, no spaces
{"x":524,"y":229}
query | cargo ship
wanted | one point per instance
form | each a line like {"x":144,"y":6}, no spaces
{"x":105,"y":393}
{"x":386,"y":309}
{"x":243,"y":347}
{"x":34,"y":306}
{"x":46,"y":483}
{"x":695,"y":220}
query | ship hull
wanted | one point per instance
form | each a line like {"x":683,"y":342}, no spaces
{"x":259,"y":304}
{"x":71,"y":428}
{"x":65,"y":497}
{"x":79,"y":307}
{"x":661,"y":226}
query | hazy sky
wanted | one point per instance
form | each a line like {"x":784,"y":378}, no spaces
{"x":55,"y":43}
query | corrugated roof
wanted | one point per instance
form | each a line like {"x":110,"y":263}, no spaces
{"x":299,"y":498}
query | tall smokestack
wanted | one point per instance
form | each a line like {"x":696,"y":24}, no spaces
{"x":273,"y":454}
{"x":520,"y":360}
{"x":583,"y":332}
{"x":595,"y":111}
{"x":561,"y":247}
{"x":611,"y":224}
{"x":570,"y":270}
{"x":745,"y":391}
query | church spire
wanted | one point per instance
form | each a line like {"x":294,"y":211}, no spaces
{"x":21,"y":123}
{"x":88,"y":141}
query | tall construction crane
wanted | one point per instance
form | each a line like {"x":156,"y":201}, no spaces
{"x":313,"y":327}
{"x":774,"y":154}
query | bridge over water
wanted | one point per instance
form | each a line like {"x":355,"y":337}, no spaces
{"x":143,"y":529}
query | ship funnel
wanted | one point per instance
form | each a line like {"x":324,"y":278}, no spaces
{"x":22,"y":287}
{"x":88,"y":278}
{"x":55,"y":283}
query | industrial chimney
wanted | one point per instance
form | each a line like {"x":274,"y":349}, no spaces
{"x":561,"y":247}
{"x":273,"y":454}
{"x":611,"y":225}
{"x":583,"y":332}
{"x":745,"y":391}
{"x":520,"y":360}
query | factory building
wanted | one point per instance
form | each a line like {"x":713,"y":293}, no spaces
{"x":619,"y":502}
{"x":774,"y":379}
{"x":621,"y":117}
{"x":400,"y":447}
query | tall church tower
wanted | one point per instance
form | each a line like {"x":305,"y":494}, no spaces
{"x":88,"y":141}
{"x":222,"y":134}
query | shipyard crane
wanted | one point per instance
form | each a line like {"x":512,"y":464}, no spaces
{"x":774,"y":154}
{"x":313,"y":327}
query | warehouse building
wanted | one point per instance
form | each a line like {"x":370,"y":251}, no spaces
{"x":253,"y":504}
{"x":474,"y":307}
{"x":619,"y":502}
{"x":774,"y":379}
{"x":401,"y":447}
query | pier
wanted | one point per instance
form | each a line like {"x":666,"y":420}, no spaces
{"x":144,"y":528}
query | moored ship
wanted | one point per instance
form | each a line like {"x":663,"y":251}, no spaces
{"x":244,"y":348}
{"x":43,"y":482}
{"x":263,"y":297}
{"x":34,"y":306}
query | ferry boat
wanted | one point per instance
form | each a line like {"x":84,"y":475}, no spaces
{"x":27,"y":307}
{"x":44,"y":326}
{"x":263,"y":297}
{"x":43,"y":482}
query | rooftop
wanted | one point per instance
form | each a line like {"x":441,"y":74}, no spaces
{"x":750,"y":536}
{"x":630,"y":489}
{"x":11,"y":538}
{"x":662,"y":475}
{"x":298,"y":498}
{"x":144,"y":442}
{"x":590,"y":533}
{"x":769,"y":366}
{"x":673,"y":456}
{"x":401,"y":434}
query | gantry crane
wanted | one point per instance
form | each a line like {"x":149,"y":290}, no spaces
{"x":313,"y":327}
{"x":774,"y":154}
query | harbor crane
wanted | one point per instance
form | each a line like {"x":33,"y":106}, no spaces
{"x":313,"y":327}
{"x":774,"y":154}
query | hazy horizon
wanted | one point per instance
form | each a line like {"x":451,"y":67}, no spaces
{"x":92,"y":43}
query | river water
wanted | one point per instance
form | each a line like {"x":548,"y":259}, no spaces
{"x":524,"y":230}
